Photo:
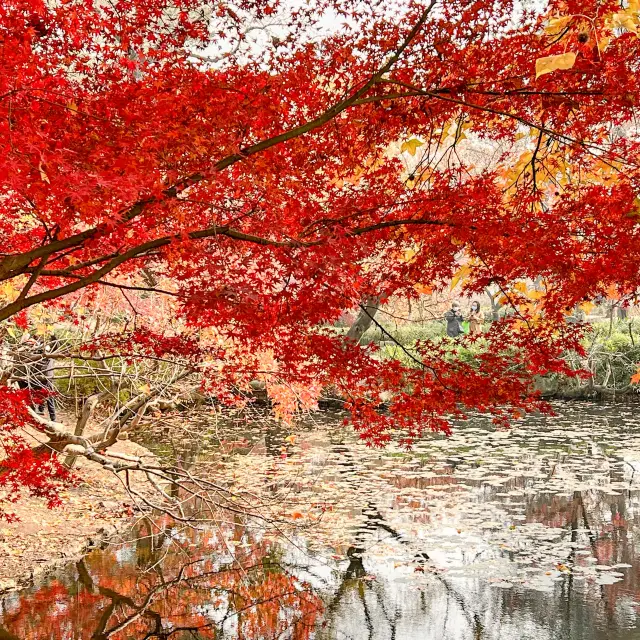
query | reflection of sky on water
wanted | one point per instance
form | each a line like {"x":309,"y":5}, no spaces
{"x":523,"y":529}
{"x":511,"y":535}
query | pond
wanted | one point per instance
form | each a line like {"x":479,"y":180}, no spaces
{"x":531,"y":533}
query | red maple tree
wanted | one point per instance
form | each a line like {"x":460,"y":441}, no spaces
{"x":278,"y":163}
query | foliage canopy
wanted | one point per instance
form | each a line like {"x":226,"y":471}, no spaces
{"x":277,"y":163}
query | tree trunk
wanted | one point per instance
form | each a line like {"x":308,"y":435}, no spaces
{"x":368,"y":310}
{"x":87,"y":411}
{"x":495,"y":304}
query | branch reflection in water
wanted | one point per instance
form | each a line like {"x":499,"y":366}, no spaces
{"x":528,"y":534}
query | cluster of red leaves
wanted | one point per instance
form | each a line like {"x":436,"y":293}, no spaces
{"x":261,"y":181}
{"x":24,"y":473}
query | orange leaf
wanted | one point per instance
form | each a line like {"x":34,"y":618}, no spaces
{"x":423,"y":288}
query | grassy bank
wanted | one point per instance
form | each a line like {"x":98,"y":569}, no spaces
{"x":613,"y":355}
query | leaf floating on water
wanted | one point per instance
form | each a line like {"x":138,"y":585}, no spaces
{"x":607,"y":578}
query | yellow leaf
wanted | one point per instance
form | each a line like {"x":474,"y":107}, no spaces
{"x":556,"y":25}
{"x":461,"y":274}
{"x":9,"y":292}
{"x":409,"y":254}
{"x":460,"y":129}
{"x":411,"y":146}
{"x":145,"y":388}
{"x":290,"y":439}
{"x":587,"y":307}
{"x":603,"y":43}
{"x":533,"y":294}
{"x":626,"y":20}
{"x":521,"y":287}
{"x":549,"y":64}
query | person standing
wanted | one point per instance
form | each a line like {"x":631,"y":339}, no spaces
{"x":24,"y":358}
{"x":33,"y":370}
{"x":454,"y":321}
{"x":44,"y":380}
{"x":475,"y":318}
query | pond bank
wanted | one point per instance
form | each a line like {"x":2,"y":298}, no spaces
{"x":612,"y":358}
{"x":565,"y":390}
{"x":43,"y":539}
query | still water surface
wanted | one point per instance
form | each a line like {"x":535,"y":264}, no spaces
{"x":526,"y":534}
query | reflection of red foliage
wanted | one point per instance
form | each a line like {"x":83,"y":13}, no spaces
{"x":181,"y":591}
{"x":443,"y":480}
{"x":421,"y":511}
{"x":557,"y":513}
{"x":605,"y":551}
{"x":619,"y":521}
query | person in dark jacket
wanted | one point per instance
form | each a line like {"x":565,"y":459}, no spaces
{"x":33,"y":370}
{"x":454,"y":321}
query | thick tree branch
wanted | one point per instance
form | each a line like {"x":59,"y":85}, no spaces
{"x":13,"y":265}
{"x":96,"y":276}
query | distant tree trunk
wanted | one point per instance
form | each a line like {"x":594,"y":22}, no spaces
{"x":612,"y":313}
{"x":87,"y":412}
{"x":368,"y":310}
{"x":494,"y":299}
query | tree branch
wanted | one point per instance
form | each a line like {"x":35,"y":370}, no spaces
{"x":13,"y":265}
